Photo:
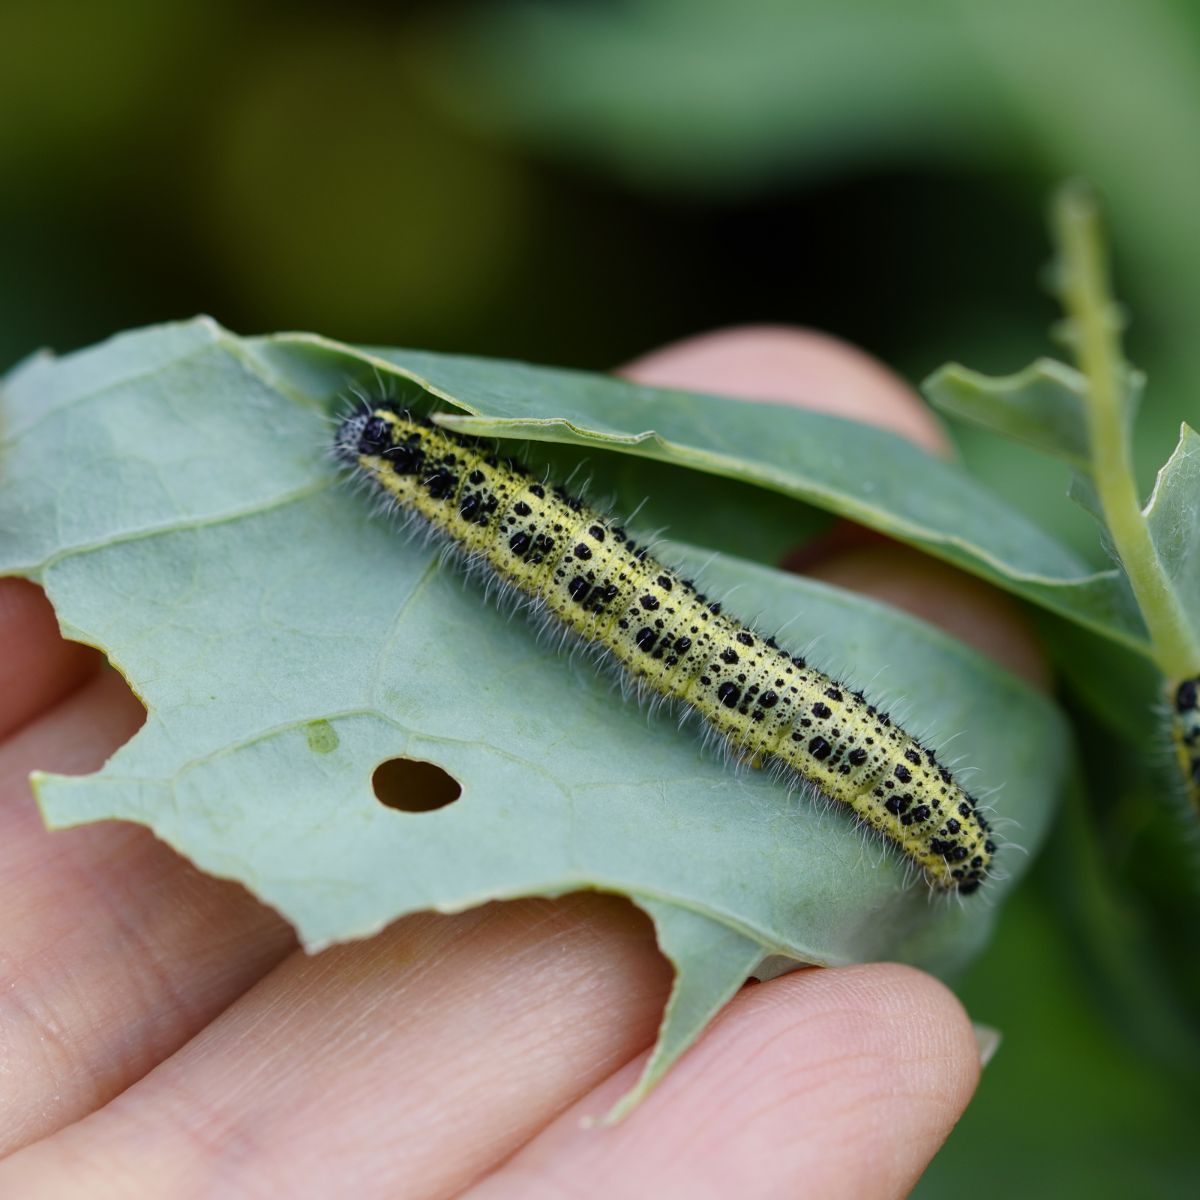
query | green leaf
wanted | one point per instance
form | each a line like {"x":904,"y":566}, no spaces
{"x":1041,"y":405}
{"x":1173,"y":516}
{"x":171,"y":490}
{"x":907,"y":494}
{"x":711,"y":962}
{"x":818,"y":459}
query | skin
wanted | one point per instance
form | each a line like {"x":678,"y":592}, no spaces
{"x":161,"y":1035}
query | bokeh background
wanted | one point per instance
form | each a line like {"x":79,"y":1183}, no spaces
{"x":575,"y":183}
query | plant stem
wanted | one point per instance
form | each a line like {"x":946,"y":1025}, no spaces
{"x":1087,"y":299}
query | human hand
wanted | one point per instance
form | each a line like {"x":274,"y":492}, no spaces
{"x":161,"y":1035}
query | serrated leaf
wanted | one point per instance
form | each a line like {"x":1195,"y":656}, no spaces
{"x":171,"y":491}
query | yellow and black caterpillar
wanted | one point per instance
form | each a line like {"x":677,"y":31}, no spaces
{"x":579,"y":566}
{"x":1185,"y":732}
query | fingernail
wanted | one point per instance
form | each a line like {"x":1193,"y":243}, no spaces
{"x":988,"y":1040}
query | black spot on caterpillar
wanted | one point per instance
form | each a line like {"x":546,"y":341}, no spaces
{"x":1185,"y":733}
{"x":582,"y":569}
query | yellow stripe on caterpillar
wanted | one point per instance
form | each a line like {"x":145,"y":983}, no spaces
{"x":583,"y":570}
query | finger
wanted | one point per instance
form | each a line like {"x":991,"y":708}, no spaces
{"x":831,"y":1083}
{"x":797,"y":367}
{"x":814,"y":371}
{"x":407,"y":1065}
{"x":37,"y":666}
{"x":115,"y":950}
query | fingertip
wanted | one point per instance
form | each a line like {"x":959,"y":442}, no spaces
{"x":935,"y":1034}
{"x":877,"y":1061}
{"x":799,"y":367}
{"x":839,"y":1083}
{"x":902,"y":1024}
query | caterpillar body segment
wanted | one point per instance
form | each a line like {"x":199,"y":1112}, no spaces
{"x":582,"y":568}
{"x":1185,"y":733}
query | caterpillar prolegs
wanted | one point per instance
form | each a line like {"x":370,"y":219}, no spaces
{"x":580,"y":568}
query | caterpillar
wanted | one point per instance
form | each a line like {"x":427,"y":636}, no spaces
{"x":1185,"y":732}
{"x":578,"y":567}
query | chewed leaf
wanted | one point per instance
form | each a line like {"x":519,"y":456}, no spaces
{"x":172,"y":492}
{"x":1041,"y":405}
{"x":711,"y":961}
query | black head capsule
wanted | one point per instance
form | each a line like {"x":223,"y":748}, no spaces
{"x":362,"y":433}
{"x":376,"y":436}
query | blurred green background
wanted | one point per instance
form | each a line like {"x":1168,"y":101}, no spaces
{"x":577,"y":182}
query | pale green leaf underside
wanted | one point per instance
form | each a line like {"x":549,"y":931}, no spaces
{"x":171,"y":491}
{"x":1173,"y":515}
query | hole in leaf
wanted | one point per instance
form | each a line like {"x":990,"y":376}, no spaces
{"x":413,"y":786}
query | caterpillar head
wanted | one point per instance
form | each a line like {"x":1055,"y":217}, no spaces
{"x":387,"y":444}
